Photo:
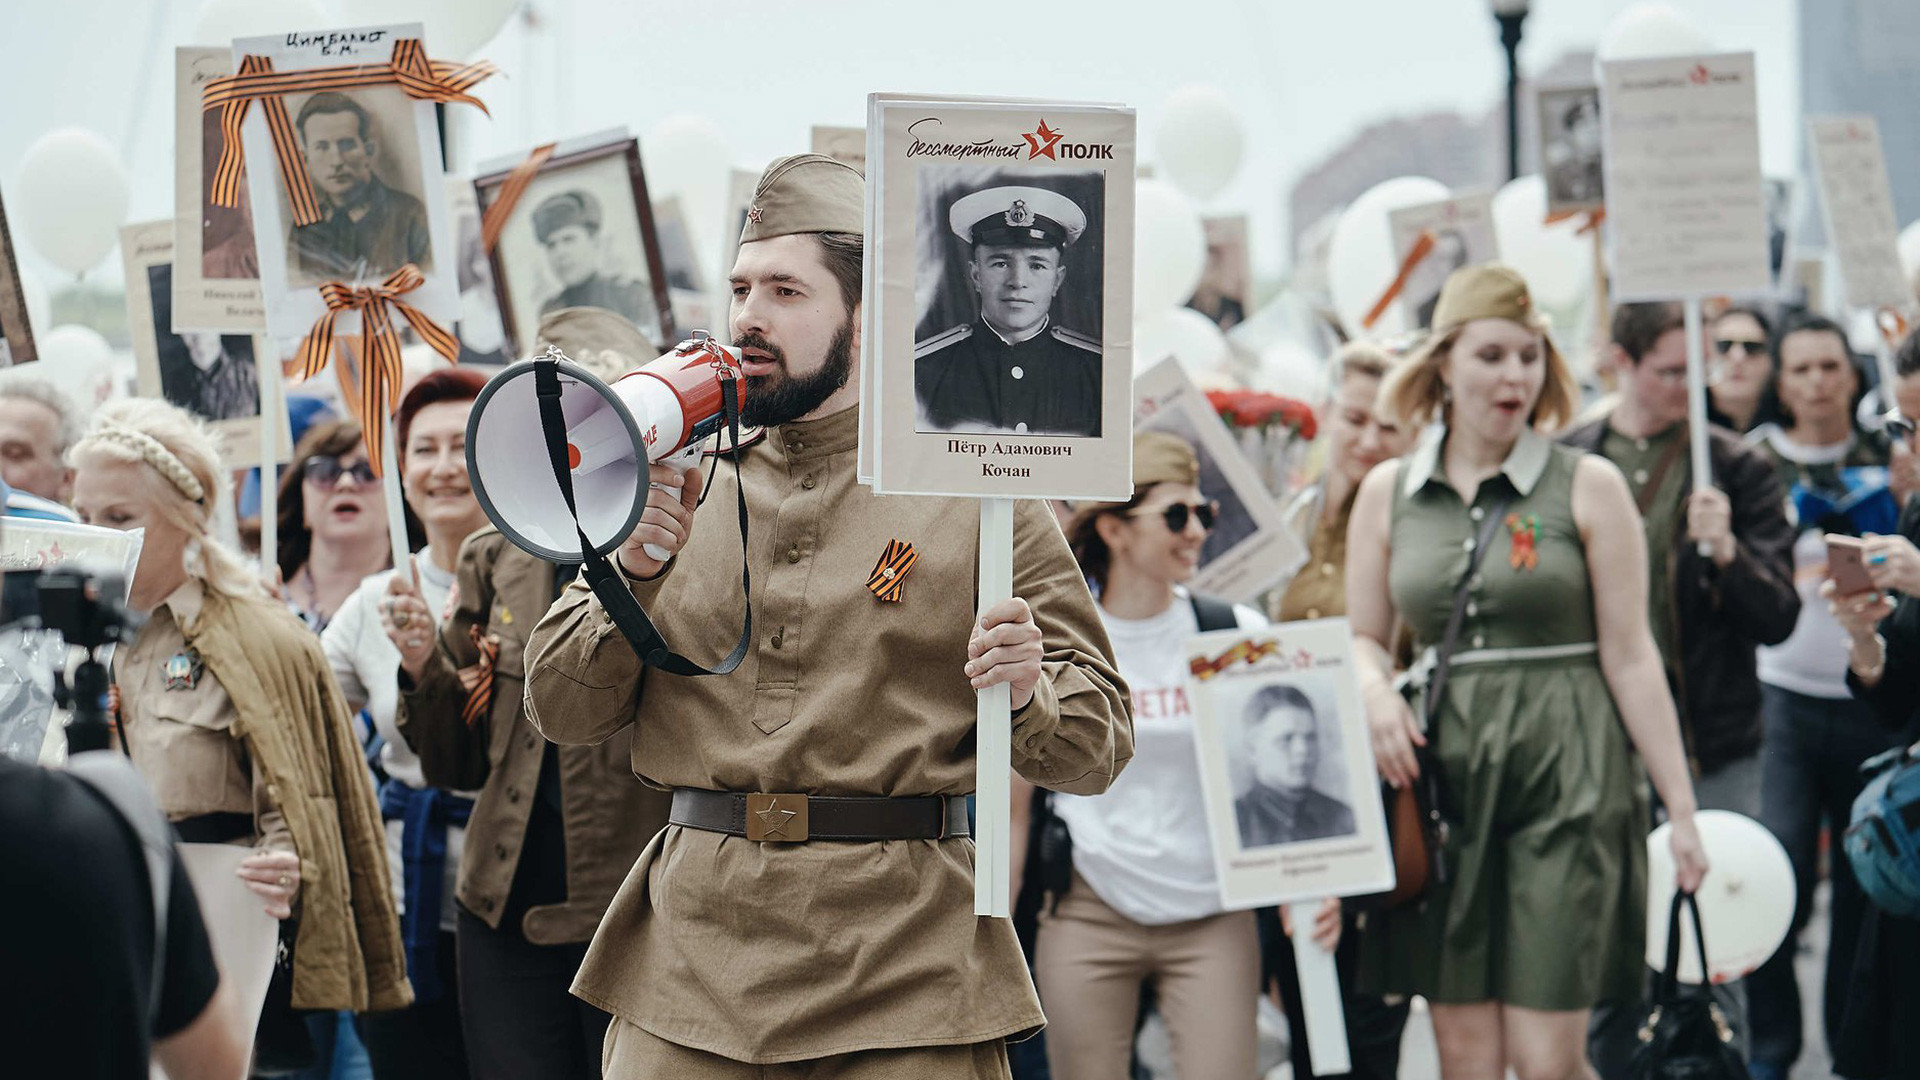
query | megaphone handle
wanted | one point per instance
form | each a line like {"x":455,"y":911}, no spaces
{"x":680,"y":462}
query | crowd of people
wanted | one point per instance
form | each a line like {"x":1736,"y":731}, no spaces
{"x":438,"y":765}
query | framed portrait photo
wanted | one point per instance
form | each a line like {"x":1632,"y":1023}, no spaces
{"x":1226,"y":286}
{"x":581,"y":235}
{"x":16,"y":330}
{"x":216,"y":271}
{"x":1463,"y":235}
{"x":1572,"y":139}
{"x":1249,"y":547}
{"x":372,"y":157}
{"x":214,"y":376}
{"x":1286,"y":765}
{"x":482,"y":334}
{"x":1004,"y":306}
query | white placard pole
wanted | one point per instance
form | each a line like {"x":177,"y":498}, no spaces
{"x":993,"y":794}
{"x":396,"y":505}
{"x":1320,"y":1001}
{"x":273,"y":413}
{"x":1697,"y":405}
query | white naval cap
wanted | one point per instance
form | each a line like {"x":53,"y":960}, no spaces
{"x":1017,"y":216}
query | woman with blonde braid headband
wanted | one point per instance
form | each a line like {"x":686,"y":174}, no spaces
{"x":228,"y":708}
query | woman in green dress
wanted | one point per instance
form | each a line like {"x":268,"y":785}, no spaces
{"x":1555,"y":685}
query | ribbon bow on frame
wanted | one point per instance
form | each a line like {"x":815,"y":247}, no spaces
{"x":379,"y":357}
{"x":426,"y":80}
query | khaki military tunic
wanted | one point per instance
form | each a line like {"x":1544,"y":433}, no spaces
{"x":181,"y":739}
{"x":770,"y":953}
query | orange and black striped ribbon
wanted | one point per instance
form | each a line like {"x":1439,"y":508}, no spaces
{"x":1248,"y":651}
{"x":891,"y":571}
{"x":380,"y":351}
{"x":478,"y":679}
{"x":1422,"y":247}
{"x":428,"y":80}
{"x":495,"y":219}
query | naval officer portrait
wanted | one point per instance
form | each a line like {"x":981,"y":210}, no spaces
{"x":1282,"y":734}
{"x":1011,"y":370}
{"x":568,"y":226}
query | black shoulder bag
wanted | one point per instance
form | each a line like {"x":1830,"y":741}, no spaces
{"x":1416,"y":814}
{"x":1685,"y":1035}
{"x":609,"y":586}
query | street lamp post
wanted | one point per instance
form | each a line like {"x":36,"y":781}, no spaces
{"x":1510,"y":14}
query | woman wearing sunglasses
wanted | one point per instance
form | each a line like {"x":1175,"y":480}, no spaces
{"x":1742,"y":371}
{"x":1143,"y":903}
{"x":333,"y":522}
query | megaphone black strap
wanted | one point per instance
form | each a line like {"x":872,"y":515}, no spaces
{"x":607,"y":584}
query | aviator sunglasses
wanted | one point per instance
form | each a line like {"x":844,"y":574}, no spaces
{"x":1725,"y":347}
{"x":1176,"y":515}
{"x":326,"y":472}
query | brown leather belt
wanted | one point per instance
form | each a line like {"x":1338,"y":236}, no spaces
{"x":791,"y":819}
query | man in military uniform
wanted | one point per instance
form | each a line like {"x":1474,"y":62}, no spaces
{"x":811,"y":902}
{"x":1282,"y":732}
{"x":568,"y":227}
{"x":366,"y":229}
{"x":1008,"y":371}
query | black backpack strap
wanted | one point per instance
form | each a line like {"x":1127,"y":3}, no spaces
{"x":608,"y":585}
{"x":1213,"y":613}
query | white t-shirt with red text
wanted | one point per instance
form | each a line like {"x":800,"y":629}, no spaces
{"x":1143,"y":845}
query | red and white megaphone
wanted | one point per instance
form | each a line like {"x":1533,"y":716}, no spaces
{"x":661,"y":413}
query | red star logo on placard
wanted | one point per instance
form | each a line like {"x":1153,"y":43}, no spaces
{"x":1699,"y":74}
{"x":1041,"y":141}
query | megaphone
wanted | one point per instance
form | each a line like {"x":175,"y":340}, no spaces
{"x":660,"y":414}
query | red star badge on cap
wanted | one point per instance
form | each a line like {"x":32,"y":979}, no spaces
{"x":1041,"y":141}
{"x":753,"y":213}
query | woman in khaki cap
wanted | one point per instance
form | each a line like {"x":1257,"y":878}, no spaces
{"x":1554,"y":685}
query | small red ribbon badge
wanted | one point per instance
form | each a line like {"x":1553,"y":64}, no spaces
{"x":1524,"y":533}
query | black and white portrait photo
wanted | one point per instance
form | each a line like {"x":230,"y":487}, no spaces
{"x":226,"y":232}
{"x":1222,"y":292}
{"x":1288,"y":733}
{"x":1010,"y":273}
{"x":581,"y":235}
{"x":1463,"y":235}
{"x":216,"y":261}
{"x":483,"y":340}
{"x":358,"y":149}
{"x":1571,"y":138}
{"x":16,"y":335}
{"x":210,"y":375}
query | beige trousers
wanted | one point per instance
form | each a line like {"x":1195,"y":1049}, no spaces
{"x":633,"y":1053}
{"x":1090,"y":962}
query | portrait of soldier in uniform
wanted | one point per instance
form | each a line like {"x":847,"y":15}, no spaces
{"x":1571,"y":141}
{"x":1284,"y":741}
{"x":568,"y":227}
{"x":208,"y":374}
{"x":1012,"y":369}
{"x":368,"y":226}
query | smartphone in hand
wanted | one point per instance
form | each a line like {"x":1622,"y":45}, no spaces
{"x":1847,"y":565}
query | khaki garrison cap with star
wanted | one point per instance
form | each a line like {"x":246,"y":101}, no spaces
{"x":806,"y":193}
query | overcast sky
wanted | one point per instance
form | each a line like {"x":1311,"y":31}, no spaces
{"x":1306,"y":74}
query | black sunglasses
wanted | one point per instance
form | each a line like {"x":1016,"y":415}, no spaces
{"x":326,"y":472}
{"x":1897,"y":426}
{"x":1176,"y":515}
{"x":1751,"y":348}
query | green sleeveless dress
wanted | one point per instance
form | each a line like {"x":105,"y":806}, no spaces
{"x":1546,"y":907}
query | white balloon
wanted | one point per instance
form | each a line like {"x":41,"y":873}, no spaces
{"x":1746,"y":901}
{"x":1169,"y":247}
{"x":1198,"y":140}
{"x":1291,"y":369}
{"x":1360,"y":259}
{"x":1189,"y":337}
{"x":39,"y":303}
{"x":1910,"y":253}
{"x":220,"y":21}
{"x":455,"y":29}
{"x":77,"y":360}
{"x":1648,"y":30}
{"x":72,"y":198}
{"x":687,"y":156}
{"x":1555,"y":259}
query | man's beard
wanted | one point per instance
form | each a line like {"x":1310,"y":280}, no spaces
{"x":781,"y":398}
